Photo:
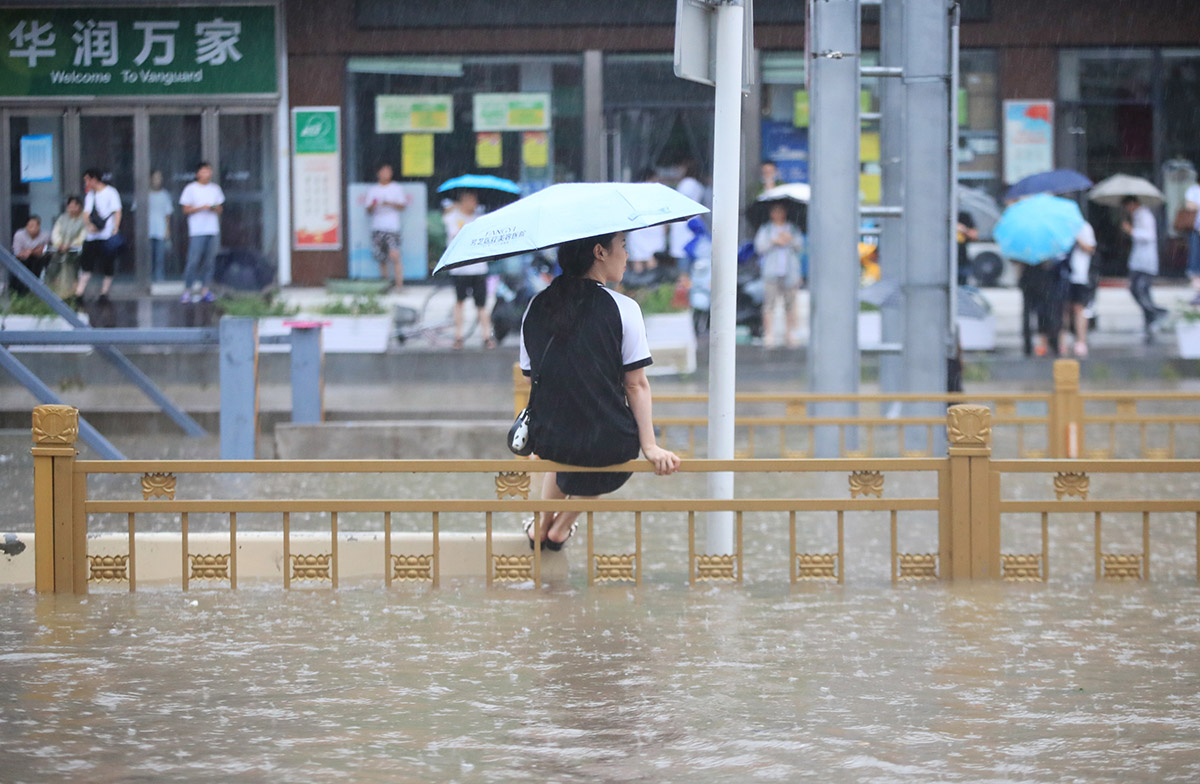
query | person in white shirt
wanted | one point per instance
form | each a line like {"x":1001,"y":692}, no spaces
{"x":1143,"y":259}
{"x":643,"y":244}
{"x":161,"y":211}
{"x":1080,"y":288}
{"x":102,"y":209}
{"x":778,"y":244}
{"x":385,"y":200}
{"x":202,"y":202}
{"x":1192,"y":197}
{"x":470,"y":280}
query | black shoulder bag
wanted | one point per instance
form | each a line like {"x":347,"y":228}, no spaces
{"x":519,"y":440}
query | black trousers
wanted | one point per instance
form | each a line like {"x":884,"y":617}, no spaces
{"x":36,"y":265}
{"x":1139,"y":287}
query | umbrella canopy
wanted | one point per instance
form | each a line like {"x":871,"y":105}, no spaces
{"x":565,"y":212}
{"x":1110,"y":192}
{"x":1057,"y":181}
{"x":492,"y":191}
{"x":1039,"y":228}
{"x":982,"y":208}
{"x":794,"y":196}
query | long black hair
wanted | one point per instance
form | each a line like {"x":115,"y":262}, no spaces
{"x":565,"y":295}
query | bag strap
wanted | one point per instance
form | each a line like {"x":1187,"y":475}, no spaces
{"x":535,"y":380}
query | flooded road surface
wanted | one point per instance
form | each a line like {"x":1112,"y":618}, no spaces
{"x":1071,"y":682}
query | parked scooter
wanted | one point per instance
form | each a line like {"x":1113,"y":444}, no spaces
{"x":750,"y":288}
{"x":514,"y":292}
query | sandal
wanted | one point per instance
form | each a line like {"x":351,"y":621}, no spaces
{"x":458,"y":344}
{"x":489,"y":343}
{"x":550,"y":544}
{"x":529,"y":525}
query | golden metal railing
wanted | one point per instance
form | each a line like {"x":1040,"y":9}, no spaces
{"x":967,"y":503}
{"x":1031,"y":425}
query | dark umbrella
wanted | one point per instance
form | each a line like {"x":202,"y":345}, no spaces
{"x":1057,"y":182}
{"x":793,"y":196}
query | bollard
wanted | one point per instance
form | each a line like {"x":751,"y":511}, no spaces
{"x":969,"y":532}
{"x":239,"y":388}
{"x":1066,"y":411}
{"x":308,"y":372}
{"x":60,"y":531}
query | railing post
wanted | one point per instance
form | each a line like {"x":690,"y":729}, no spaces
{"x":60,"y":535}
{"x":520,"y":389}
{"x":308,"y":372}
{"x":973,"y":534}
{"x":239,"y":388}
{"x":1066,"y":411}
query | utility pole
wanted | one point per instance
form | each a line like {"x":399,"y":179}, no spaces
{"x":927,"y":286}
{"x":833,"y":223}
{"x":891,"y":241}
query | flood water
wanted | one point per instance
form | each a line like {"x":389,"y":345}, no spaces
{"x":1067,"y":681}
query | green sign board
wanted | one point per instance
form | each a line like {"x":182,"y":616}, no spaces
{"x":316,"y":130}
{"x":414,"y":113}
{"x":137,"y":50}
{"x":512,"y":111}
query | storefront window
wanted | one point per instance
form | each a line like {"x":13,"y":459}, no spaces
{"x":978,"y":121}
{"x":37,"y":186}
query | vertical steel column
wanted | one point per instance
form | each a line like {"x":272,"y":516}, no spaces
{"x":239,"y":388}
{"x":833,"y":360}
{"x":142,"y":272}
{"x":722,"y":348}
{"x":594,"y":147}
{"x":308,"y":374}
{"x":927,"y":287}
{"x":891,"y":241}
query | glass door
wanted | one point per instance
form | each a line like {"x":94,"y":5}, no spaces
{"x":106,"y":142}
{"x":247,"y":175}
{"x":176,"y":147}
{"x":36,"y":184}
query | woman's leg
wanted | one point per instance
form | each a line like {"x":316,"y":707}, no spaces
{"x":556,"y":525}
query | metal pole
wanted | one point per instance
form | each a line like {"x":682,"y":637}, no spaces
{"x":239,"y":388}
{"x":926,"y":203}
{"x":833,"y":359}
{"x":722,"y":361}
{"x":891,"y":240}
{"x":308,"y":378}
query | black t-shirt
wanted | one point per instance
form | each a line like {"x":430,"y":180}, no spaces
{"x":580,"y":413}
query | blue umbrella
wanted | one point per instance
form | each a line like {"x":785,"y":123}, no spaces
{"x":492,"y":191}
{"x":568,"y":211}
{"x":1057,"y":181}
{"x":1038,"y":229}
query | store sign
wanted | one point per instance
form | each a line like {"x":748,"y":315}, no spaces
{"x":1028,"y":138}
{"x":316,"y":178}
{"x":414,"y":113}
{"x":142,"y":50}
{"x":512,"y":112}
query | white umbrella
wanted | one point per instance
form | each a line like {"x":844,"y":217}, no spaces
{"x":565,"y":212}
{"x":1110,"y":192}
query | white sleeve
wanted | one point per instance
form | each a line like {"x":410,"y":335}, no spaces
{"x":635,"y":348}
{"x":220,"y":196}
{"x":185,"y":198}
{"x":525,"y":365}
{"x":1192,"y":196}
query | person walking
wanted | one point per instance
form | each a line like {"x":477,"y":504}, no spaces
{"x":66,"y":240}
{"x":161,"y":211}
{"x":1143,"y":259}
{"x":644,"y":245}
{"x":1191,"y":206}
{"x":1080,"y":289}
{"x":31,"y":245}
{"x":385,"y":201}
{"x":470,"y":280}
{"x":778,"y":243}
{"x":203,"y":202}
{"x":102,"y":211}
{"x":585,"y":347}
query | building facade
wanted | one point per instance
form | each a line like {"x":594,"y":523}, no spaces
{"x":556,"y":90}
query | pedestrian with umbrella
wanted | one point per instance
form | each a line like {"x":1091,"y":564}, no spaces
{"x":1039,"y":232}
{"x":583,"y":345}
{"x":1135,"y":196}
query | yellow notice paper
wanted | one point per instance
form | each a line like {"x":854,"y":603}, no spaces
{"x":489,"y":153}
{"x":535,"y":149}
{"x":870,"y":187}
{"x":868,"y":147}
{"x":416,"y":153}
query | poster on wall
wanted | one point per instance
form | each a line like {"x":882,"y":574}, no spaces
{"x":489,"y":152}
{"x":414,"y":241}
{"x":316,"y":178}
{"x":37,"y":158}
{"x":414,"y":113}
{"x":511,"y":112}
{"x":1028,"y":138}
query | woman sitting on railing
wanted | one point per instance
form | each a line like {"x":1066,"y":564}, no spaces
{"x":585,"y":347}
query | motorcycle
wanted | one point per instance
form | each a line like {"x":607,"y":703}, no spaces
{"x":750,"y":289}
